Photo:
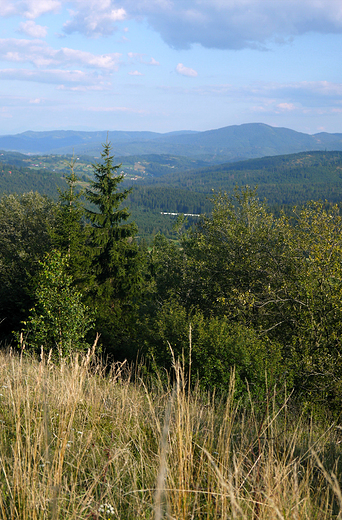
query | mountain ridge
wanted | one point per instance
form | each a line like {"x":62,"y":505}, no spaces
{"x":231,"y":143}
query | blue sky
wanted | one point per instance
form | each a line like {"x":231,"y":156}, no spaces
{"x":165,"y":65}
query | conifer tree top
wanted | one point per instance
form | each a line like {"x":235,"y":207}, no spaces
{"x":104,"y":194}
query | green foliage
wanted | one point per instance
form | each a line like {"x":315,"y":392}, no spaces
{"x":280,"y":278}
{"x":315,"y":246}
{"x":59,"y":320}
{"x":70,"y":233}
{"x":283,"y":179}
{"x":116,"y":262}
{"x":224,"y":280}
{"x":21,"y":179}
{"x":261,"y":290}
{"x":114,"y":251}
{"x":68,"y":221}
{"x":169,"y":199}
{"x":25,"y":223}
{"x":233,"y":264}
{"x":212,"y":348}
{"x":177,"y":184}
{"x":167,"y":266}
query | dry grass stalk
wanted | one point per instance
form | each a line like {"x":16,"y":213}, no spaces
{"x":76,"y":436}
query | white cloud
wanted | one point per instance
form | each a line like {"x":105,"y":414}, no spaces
{"x":305,"y":93}
{"x":236,"y":24}
{"x":30,"y":28}
{"x":139,"y":58}
{"x":135,"y":56}
{"x":4,"y":113}
{"x":314,"y":98}
{"x":100,"y":61}
{"x":34,"y":8}
{"x":7,"y":8}
{"x":135,"y":73}
{"x":286,"y":94}
{"x":224,"y":24}
{"x":81,"y":88}
{"x":286,"y":106}
{"x":57,"y":77}
{"x":41,"y":54}
{"x":115,"y":109}
{"x":94,"y":17}
{"x":186,"y":71}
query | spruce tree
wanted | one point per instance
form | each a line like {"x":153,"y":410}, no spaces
{"x":115,"y":265}
{"x":70,"y":234}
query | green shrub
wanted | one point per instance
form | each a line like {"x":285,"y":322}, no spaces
{"x":59,"y":321}
{"x":217,"y":347}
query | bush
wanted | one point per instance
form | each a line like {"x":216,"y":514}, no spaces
{"x":217,"y":347}
{"x":59,"y":320}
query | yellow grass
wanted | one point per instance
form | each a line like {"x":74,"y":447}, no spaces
{"x":76,"y":437}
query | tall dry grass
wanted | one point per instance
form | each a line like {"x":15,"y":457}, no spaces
{"x":81,"y":442}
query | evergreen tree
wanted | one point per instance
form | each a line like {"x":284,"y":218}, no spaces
{"x":70,"y":233}
{"x":116,"y":262}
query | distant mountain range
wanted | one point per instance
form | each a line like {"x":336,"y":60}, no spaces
{"x":231,"y":143}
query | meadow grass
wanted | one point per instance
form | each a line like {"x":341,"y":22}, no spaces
{"x":82,"y":441}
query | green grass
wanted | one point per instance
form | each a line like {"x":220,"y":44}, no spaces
{"x":79,"y":436}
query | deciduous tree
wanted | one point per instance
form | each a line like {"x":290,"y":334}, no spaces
{"x":59,"y":320}
{"x":25,"y":224}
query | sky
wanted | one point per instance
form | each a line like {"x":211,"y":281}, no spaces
{"x":168,"y":65}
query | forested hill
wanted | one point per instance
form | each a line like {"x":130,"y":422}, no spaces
{"x":230,"y":143}
{"x":283,"y":180}
{"x":287,"y":179}
{"x":19,"y":179}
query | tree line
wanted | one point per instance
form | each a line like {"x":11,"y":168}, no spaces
{"x":243,"y":289}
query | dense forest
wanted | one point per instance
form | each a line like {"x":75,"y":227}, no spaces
{"x":171,"y":184}
{"x":257,"y":290}
{"x":282,"y":179}
{"x":18,"y":179}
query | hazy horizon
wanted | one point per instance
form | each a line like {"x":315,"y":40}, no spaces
{"x":143,"y":130}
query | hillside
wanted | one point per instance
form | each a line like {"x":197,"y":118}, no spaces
{"x":285,"y":179}
{"x":21,"y":179}
{"x":168,"y":184}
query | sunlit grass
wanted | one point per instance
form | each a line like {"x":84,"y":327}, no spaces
{"x":78,"y":441}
